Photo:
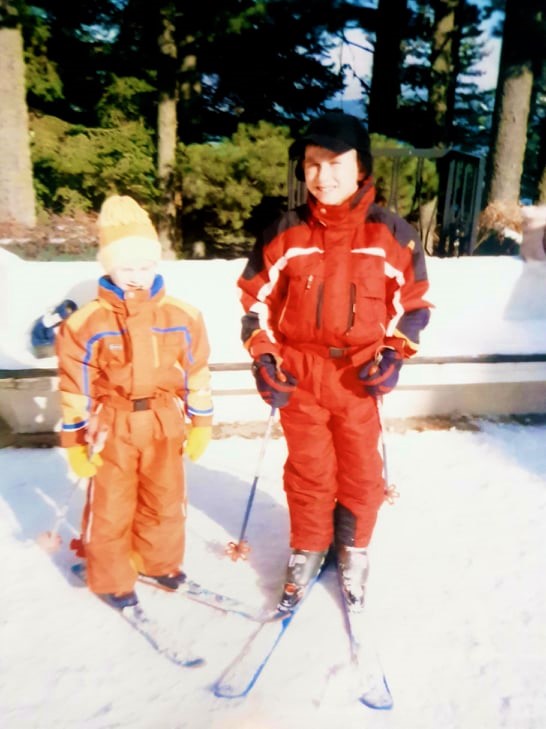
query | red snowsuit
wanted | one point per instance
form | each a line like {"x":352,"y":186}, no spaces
{"x":134,"y":354}
{"x":324,"y":289}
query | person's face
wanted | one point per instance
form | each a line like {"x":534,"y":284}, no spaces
{"x":136,"y":275}
{"x":330,"y":177}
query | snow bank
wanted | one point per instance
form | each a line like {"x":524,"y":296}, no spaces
{"x":482,"y":306}
{"x":31,"y":288}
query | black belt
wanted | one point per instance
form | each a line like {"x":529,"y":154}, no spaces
{"x":340,"y":352}
{"x":142,"y":403}
{"x":325,"y":351}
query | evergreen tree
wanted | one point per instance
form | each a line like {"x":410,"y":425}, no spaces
{"x":431,"y":96}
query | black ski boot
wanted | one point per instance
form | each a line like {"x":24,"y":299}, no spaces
{"x":118,"y":602}
{"x":353,"y":567}
{"x":172,"y":581}
{"x":303,"y":566}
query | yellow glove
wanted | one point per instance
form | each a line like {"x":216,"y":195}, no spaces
{"x":198,"y":440}
{"x":80,"y":462}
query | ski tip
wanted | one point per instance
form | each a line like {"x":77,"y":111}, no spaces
{"x":372,"y":704}
{"x":192,"y":662}
{"x":227,"y":692}
{"x":378,"y":700}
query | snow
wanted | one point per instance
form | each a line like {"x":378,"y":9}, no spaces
{"x":456,"y":595}
{"x":456,"y":592}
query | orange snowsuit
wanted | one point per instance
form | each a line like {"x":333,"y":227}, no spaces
{"x":134,"y":364}
{"x":326,"y":288}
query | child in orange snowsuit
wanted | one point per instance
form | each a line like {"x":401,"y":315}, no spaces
{"x":133,"y":366}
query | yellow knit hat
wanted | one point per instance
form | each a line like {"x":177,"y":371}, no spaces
{"x":126,"y":234}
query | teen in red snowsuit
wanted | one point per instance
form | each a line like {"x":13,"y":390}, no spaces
{"x":327,"y":290}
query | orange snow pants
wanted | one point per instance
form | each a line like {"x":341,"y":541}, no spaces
{"x":134,"y":519}
{"x":333,"y":476}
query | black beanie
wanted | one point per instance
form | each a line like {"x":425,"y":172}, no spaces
{"x":338,"y":132}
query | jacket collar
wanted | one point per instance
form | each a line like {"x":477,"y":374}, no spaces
{"x":348,"y":214}
{"x":121,"y":300}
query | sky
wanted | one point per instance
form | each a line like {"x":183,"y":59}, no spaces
{"x":456,"y":595}
{"x":357,"y":53}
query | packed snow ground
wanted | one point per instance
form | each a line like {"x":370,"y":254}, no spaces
{"x":457,"y":597}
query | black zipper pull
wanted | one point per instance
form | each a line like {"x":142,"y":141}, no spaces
{"x":352,"y":308}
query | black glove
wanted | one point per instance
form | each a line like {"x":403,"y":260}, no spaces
{"x":274,"y":384}
{"x":380,"y":376}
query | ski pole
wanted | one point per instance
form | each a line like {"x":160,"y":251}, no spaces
{"x":391,"y":492}
{"x":240,"y":549}
{"x":51,"y":540}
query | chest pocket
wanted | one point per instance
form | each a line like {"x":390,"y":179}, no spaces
{"x":113,"y":351}
{"x":368,"y":298}
{"x":301,"y":313}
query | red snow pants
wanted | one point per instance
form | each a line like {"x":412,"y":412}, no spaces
{"x":333,"y":476}
{"x":134,"y":519}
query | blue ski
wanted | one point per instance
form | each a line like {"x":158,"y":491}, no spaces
{"x":148,"y":628}
{"x":373,"y":688}
{"x":198,"y":593}
{"x":241,"y":675}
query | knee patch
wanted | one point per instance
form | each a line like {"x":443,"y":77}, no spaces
{"x":344,"y":525}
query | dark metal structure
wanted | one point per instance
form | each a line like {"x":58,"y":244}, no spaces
{"x":462,"y":198}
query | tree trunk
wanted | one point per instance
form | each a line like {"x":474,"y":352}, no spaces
{"x":541,"y":161}
{"x":541,"y":199}
{"x":512,"y":103}
{"x":387,"y":58}
{"x":17,"y":201}
{"x":511,"y":138}
{"x":167,"y":127}
{"x":444,"y":66}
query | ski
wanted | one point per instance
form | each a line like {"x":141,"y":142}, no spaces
{"x":373,"y":688}
{"x":240,"y":676}
{"x":148,"y":628}
{"x":198,"y":593}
